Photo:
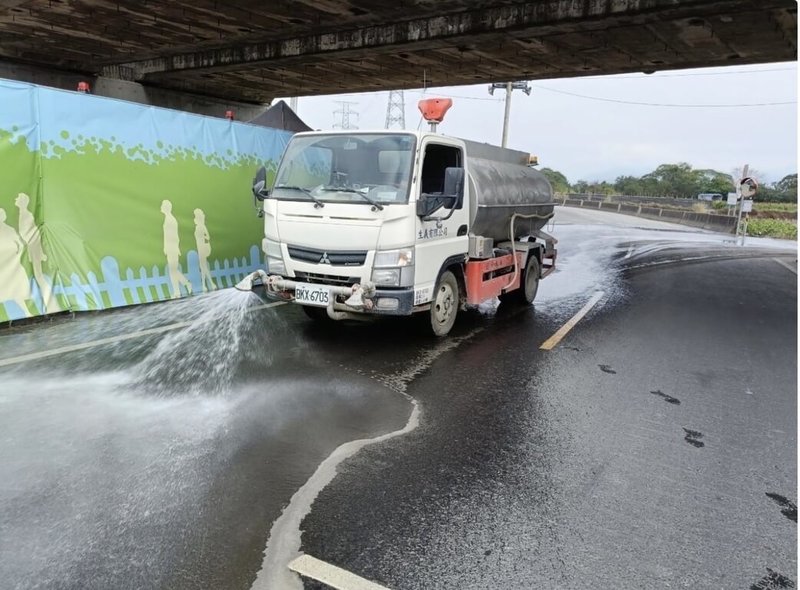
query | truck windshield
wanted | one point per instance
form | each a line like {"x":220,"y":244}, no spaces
{"x":366,"y":168}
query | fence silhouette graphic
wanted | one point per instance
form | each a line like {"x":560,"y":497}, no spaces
{"x":116,"y":289}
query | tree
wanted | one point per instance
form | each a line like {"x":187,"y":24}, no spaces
{"x":674,"y":180}
{"x":601,"y":188}
{"x":713,"y":181}
{"x":787,"y":186}
{"x":629,"y":185}
{"x":557,"y":180}
{"x":581,"y":187}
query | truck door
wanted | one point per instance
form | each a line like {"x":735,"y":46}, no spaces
{"x":445,"y":234}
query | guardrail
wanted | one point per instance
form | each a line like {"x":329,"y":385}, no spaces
{"x":721,"y":223}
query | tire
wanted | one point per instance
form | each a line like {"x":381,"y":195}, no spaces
{"x":444,"y":307}
{"x":318,"y":314}
{"x":530,"y":285}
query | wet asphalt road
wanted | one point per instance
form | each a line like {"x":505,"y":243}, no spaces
{"x":654,"y":447}
{"x":651,"y":449}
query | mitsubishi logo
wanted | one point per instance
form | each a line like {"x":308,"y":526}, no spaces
{"x":324,"y":259}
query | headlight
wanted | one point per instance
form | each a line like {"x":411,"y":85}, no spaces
{"x":394,"y":268}
{"x":394,"y":258}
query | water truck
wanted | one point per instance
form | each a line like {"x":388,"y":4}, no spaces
{"x":395,"y":223}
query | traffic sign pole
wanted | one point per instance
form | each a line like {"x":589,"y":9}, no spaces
{"x":739,"y":200}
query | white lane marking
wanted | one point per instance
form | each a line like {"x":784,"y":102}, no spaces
{"x":23,"y":358}
{"x":630,"y":251}
{"x":785,"y":265}
{"x":330,"y":575}
{"x":564,"y":330}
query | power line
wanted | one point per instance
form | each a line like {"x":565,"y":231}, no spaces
{"x":450,"y":95}
{"x":656,"y":104}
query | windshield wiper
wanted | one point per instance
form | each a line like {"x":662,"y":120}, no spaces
{"x":331,"y":189}
{"x":317,"y":203}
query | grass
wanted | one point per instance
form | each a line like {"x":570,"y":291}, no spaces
{"x":773,"y":228}
{"x":787,"y":207}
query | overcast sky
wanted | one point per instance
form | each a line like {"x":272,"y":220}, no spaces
{"x":591,"y":139}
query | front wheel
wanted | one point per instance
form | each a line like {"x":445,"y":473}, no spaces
{"x":529,"y":285}
{"x":444,"y":306}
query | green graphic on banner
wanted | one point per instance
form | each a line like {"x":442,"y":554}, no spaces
{"x":157,"y":209}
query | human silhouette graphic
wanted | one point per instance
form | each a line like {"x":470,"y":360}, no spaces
{"x":30,"y":234}
{"x":172,"y":251}
{"x":203,"y":241}
{"x":14,"y":282}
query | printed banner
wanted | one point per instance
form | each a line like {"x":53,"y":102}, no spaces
{"x":105,"y":203}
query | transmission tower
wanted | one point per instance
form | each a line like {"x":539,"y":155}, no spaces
{"x":396,"y":110}
{"x":344,"y":112}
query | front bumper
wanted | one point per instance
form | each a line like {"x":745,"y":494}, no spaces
{"x":357,"y":298}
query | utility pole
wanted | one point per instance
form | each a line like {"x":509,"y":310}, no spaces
{"x":293,"y":104}
{"x":396,"y":110}
{"x":344,"y":112}
{"x":508,"y":87}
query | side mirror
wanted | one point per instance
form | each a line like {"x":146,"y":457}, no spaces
{"x":452,"y":197}
{"x":454,"y":187}
{"x":260,"y":189}
{"x":427,"y":206}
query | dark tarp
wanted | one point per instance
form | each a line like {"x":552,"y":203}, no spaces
{"x":280,"y":116}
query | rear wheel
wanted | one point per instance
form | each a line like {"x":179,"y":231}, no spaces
{"x":444,"y":306}
{"x":529,"y":285}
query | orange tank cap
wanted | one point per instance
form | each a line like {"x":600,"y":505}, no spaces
{"x":434,"y":109}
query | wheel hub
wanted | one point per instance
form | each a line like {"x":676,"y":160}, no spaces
{"x":444,"y":304}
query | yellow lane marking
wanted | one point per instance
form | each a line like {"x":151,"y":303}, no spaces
{"x":330,"y":575}
{"x":785,"y":265}
{"x":14,"y":360}
{"x":551,"y":342}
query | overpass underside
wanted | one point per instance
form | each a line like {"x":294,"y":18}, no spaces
{"x":252,"y":51}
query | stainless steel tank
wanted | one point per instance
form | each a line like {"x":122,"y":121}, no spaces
{"x":502,"y":185}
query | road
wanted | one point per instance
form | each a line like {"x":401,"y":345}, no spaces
{"x":654,"y":446}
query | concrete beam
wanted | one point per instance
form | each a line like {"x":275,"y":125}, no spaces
{"x":9,"y":4}
{"x":132,"y":91}
{"x":533,"y":18}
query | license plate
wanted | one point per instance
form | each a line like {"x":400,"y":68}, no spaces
{"x":312,"y":295}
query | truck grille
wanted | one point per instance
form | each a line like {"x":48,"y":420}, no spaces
{"x":312,"y":277}
{"x":332,"y":257}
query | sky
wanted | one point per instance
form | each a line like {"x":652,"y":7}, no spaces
{"x":599,"y":135}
